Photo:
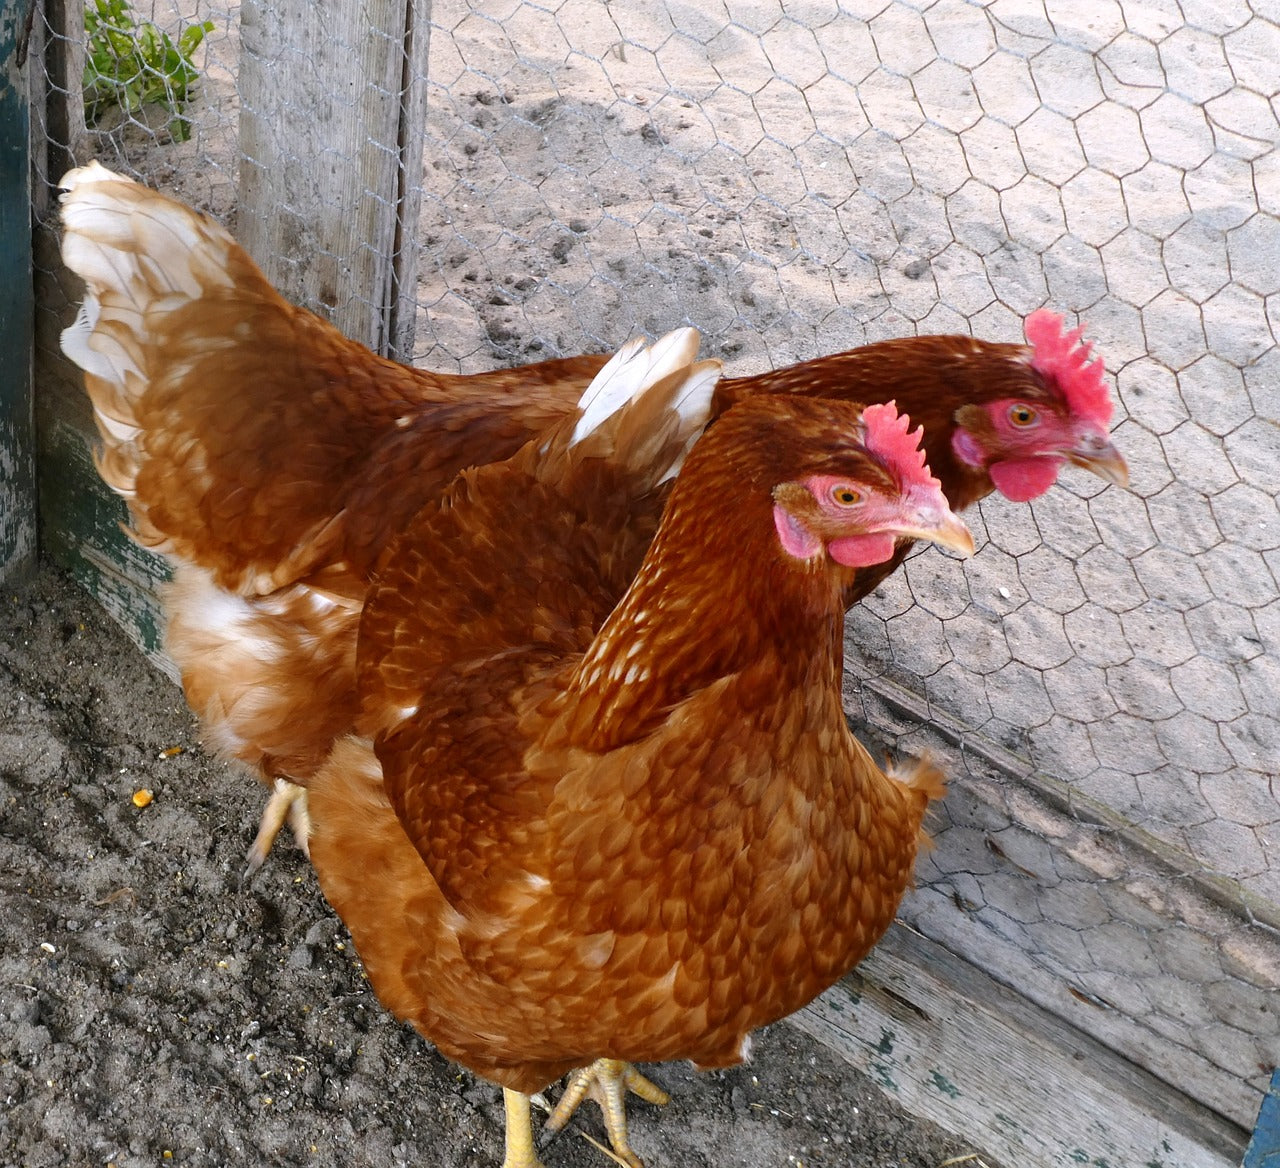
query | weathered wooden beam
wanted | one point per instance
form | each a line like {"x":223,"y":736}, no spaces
{"x":81,"y":519}
{"x":951,"y":1044}
{"x":332,"y":121}
{"x":17,"y":300}
{"x":58,"y":140}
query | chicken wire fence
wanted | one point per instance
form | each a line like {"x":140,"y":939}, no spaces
{"x":1102,"y":676}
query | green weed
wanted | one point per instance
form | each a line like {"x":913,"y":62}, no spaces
{"x":130,"y":64}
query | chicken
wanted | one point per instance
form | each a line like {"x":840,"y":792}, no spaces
{"x":272,"y":459}
{"x":590,"y":823}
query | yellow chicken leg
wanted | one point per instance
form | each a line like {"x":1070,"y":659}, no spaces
{"x":288,"y":802}
{"x":607,"y":1081}
{"x":519,"y":1138}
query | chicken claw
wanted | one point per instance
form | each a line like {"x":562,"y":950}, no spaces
{"x":519,"y":1136}
{"x":607,"y":1081}
{"x":288,"y":802}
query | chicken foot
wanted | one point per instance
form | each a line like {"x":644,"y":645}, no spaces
{"x":288,"y":802}
{"x":607,"y":1081}
{"x":520,"y":1151}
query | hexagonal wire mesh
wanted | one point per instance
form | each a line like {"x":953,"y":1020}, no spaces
{"x":1102,"y":675}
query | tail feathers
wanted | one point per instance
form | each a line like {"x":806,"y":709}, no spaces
{"x":645,"y":409}
{"x":142,"y":256}
{"x":628,"y":372}
{"x":146,"y":261}
{"x":123,"y":237}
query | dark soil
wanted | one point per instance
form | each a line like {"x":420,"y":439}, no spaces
{"x":155,"y":1010}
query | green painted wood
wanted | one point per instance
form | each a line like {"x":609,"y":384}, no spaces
{"x":81,"y":519}
{"x":84,"y":532}
{"x":17,"y":302}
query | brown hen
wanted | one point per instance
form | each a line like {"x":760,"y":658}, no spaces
{"x":272,"y":459}
{"x":584,"y":831}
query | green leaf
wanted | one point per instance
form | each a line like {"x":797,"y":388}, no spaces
{"x":130,"y":64}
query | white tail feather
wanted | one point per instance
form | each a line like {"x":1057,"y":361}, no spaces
{"x":75,"y":340}
{"x":629,"y":372}
{"x":638,"y":369}
{"x":138,"y":252}
{"x":693,"y":404}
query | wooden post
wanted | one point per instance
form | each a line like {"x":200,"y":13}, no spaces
{"x":80,"y":519}
{"x":57,"y":102}
{"x":17,"y":301}
{"x":333,"y":110}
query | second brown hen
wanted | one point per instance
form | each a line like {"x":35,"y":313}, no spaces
{"x":271,"y":459}
{"x":584,"y":831}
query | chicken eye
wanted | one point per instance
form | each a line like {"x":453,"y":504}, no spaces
{"x":1023,"y":415}
{"x":845,"y":495}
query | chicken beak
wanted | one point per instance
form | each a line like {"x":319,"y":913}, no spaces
{"x":1097,"y":453}
{"x":942,"y":527}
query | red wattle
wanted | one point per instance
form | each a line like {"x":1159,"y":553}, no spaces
{"x":859,"y":551}
{"x":1021,"y":479}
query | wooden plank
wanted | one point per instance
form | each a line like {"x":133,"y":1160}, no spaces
{"x":1161,"y":911}
{"x":80,"y":517}
{"x":17,"y":301}
{"x":1264,"y":1147}
{"x":331,"y":166}
{"x":57,"y":104}
{"x":84,"y":533}
{"x":950,"y":1044}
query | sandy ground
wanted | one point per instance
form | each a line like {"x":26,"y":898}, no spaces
{"x":155,"y":1010}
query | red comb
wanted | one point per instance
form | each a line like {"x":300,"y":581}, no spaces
{"x":1062,"y":358}
{"x":889,"y":440}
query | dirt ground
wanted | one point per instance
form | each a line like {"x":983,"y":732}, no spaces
{"x":154,"y":1009}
